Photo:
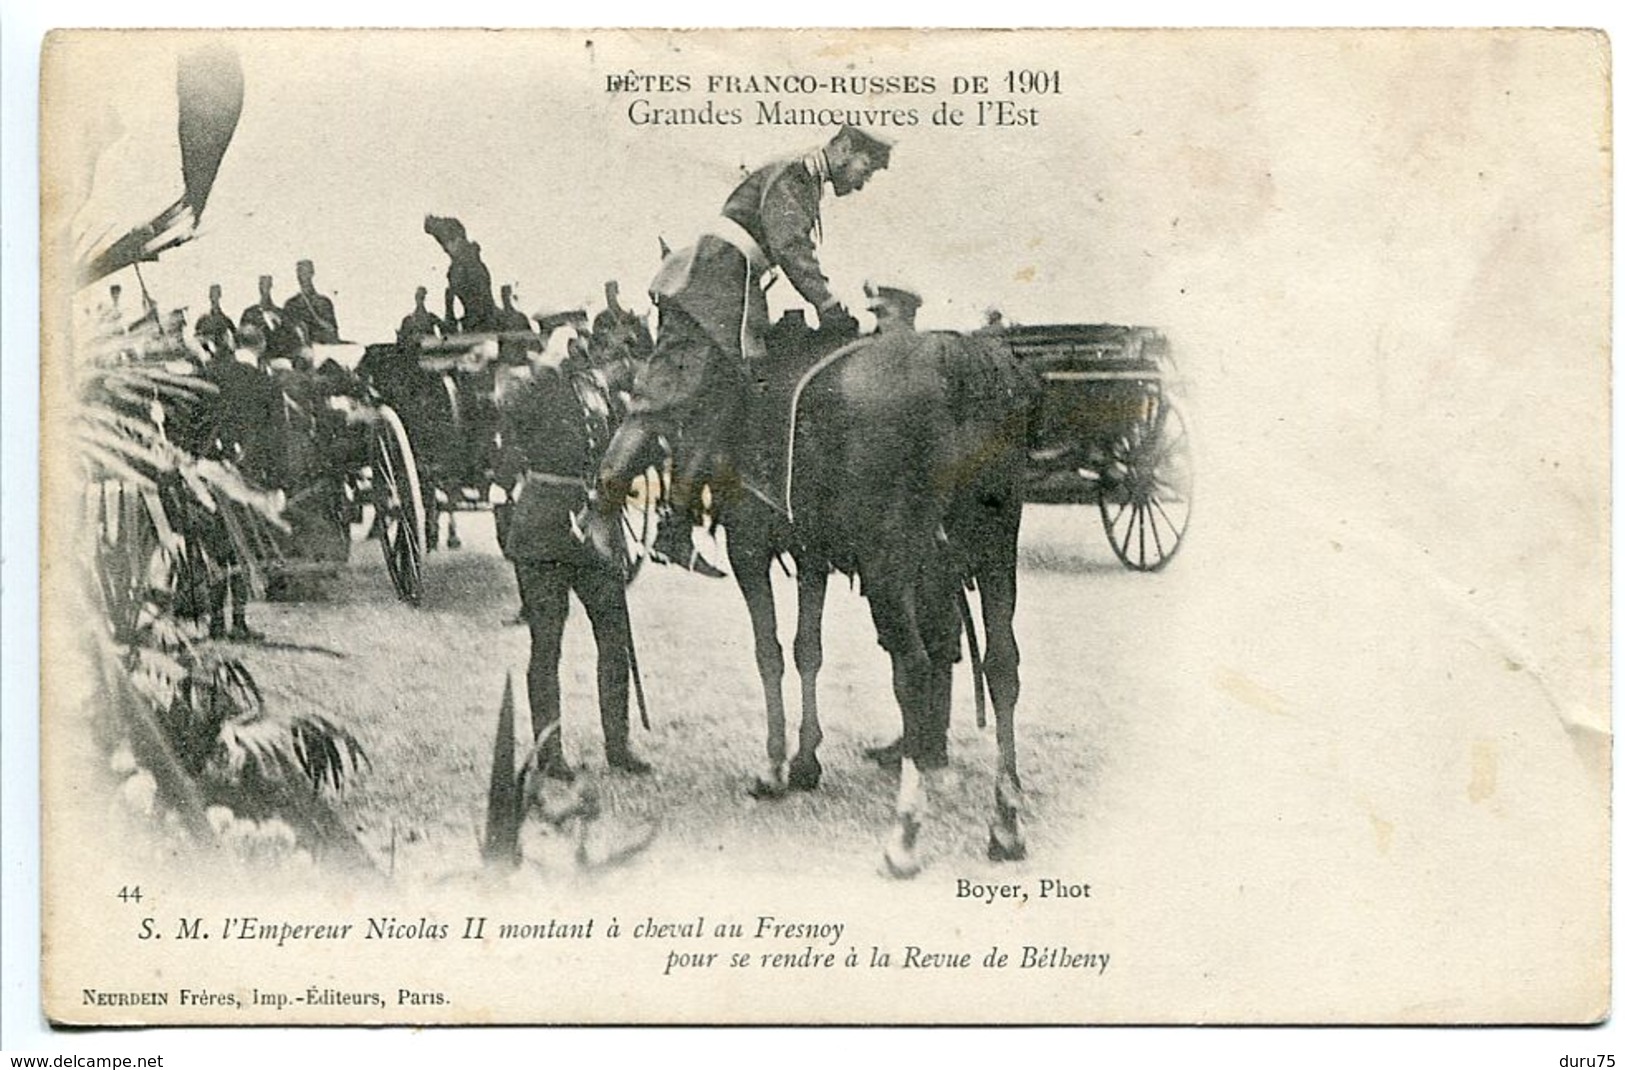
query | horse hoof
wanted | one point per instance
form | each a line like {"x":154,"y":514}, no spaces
{"x":904,"y":868}
{"x":888,"y":757}
{"x":1000,"y":851}
{"x":766,"y":789}
{"x":805,"y":774}
{"x":902,"y":860}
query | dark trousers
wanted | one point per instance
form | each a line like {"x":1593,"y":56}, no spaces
{"x":213,"y":572}
{"x":693,"y":394}
{"x":544,"y":592}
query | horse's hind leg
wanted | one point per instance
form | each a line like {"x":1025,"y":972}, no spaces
{"x":898,"y":627}
{"x":750,"y":562}
{"x":812,"y":582}
{"x":1002,"y":666}
{"x":938,"y":614}
{"x":901,"y":851}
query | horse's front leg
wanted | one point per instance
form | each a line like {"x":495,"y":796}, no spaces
{"x":750,"y":568}
{"x":812,"y":582}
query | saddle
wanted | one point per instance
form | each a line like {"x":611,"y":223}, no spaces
{"x":766,"y":447}
{"x":982,"y":381}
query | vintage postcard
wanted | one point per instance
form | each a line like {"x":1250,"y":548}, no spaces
{"x":826,"y":526}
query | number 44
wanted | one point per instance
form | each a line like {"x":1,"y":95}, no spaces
{"x":130,"y":894}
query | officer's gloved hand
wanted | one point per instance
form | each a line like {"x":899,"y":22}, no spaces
{"x":836,"y":320}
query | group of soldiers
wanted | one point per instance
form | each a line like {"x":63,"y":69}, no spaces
{"x":271,"y":331}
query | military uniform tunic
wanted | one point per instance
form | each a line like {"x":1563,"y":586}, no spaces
{"x":712,"y":307}
{"x":554,"y":427}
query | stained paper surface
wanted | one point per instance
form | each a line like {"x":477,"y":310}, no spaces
{"x":1345,"y":759}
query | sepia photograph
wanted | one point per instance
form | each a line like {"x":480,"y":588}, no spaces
{"x":825,"y":527}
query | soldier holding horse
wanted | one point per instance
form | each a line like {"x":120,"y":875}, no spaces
{"x":555,"y":423}
{"x":907,"y":470}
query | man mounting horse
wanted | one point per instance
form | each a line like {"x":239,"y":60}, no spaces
{"x":898,"y":459}
{"x":713,"y":324}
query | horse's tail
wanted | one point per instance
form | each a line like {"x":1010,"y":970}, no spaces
{"x":986,"y":381}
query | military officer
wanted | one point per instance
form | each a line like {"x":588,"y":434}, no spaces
{"x":214,"y":329}
{"x":280,"y":340}
{"x":236,"y":423}
{"x":618,"y":332}
{"x":419,"y":325}
{"x":713,"y":322}
{"x":518,"y":335}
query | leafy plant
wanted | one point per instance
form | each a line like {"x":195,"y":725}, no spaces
{"x":194,"y":718}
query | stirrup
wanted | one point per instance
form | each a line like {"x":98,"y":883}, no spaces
{"x":679,"y":549}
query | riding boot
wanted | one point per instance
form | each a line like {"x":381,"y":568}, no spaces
{"x":674,"y":542}
{"x":614,"y":687}
{"x":241,"y":632}
{"x":618,"y":754}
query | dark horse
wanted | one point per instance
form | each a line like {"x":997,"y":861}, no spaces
{"x":908,"y":460}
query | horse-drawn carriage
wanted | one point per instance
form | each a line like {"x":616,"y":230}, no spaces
{"x":407,"y":429}
{"x":339,"y":448}
{"x":411,"y":431}
{"x":1109,"y":431}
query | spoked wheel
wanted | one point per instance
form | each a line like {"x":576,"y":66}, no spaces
{"x":1146,"y":486}
{"x":398,"y":497}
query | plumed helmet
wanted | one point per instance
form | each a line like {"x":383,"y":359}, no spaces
{"x":444,"y":228}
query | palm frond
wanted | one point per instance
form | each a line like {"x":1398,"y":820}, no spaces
{"x":105,"y":463}
{"x":149,"y":451}
{"x":158,"y":517}
{"x":120,"y":423}
{"x":259,"y":747}
{"x":198,"y":487}
{"x":232,"y":484}
{"x":329,"y":754}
